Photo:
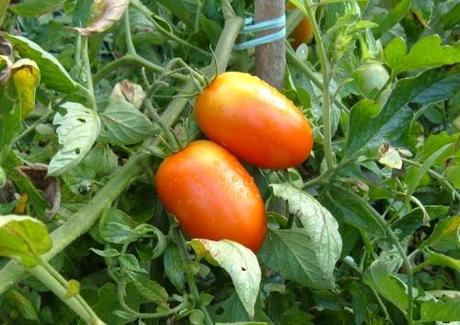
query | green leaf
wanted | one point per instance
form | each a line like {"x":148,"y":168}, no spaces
{"x":379,"y":276}
{"x":415,"y":181}
{"x":10,"y":114}
{"x":116,"y":226}
{"x":240,"y":263}
{"x":196,"y":317}
{"x":293,"y":254}
{"x":445,"y":236}
{"x":453,"y":175}
{"x":322,"y":233}
{"x":123,"y":124}
{"x":386,"y":22}
{"x":400,"y":59}
{"x":23,"y":238}
{"x":451,"y":18}
{"x":130,"y":263}
{"x":440,"y":305}
{"x":23,"y":305}
{"x":433,"y":258}
{"x":178,"y":9}
{"x":369,"y":130}
{"x":30,"y":8}
{"x":149,"y":289}
{"x":174,"y":267}
{"x":410,"y":222}
{"x":355,"y":211}
{"x":54,"y":75}
{"x":77,"y":129}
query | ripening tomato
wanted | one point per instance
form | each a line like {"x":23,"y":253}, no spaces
{"x":212,"y":195}
{"x":254,"y":121}
{"x":303,"y":33}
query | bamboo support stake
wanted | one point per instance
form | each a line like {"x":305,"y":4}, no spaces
{"x":270,"y":58}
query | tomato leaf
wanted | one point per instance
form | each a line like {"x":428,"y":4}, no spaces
{"x":30,"y":8}
{"x":322,"y":232}
{"x":433,"y":258}
{"x":240,"y":263}
{"x":355,"y":211}
{"x":53,"y":74}
{"x":23,"y":238}
{"x":26,"y":77}
{"x":77,"y":128}
{"x":369,"y":130}
{"x":379,"y":276}
{"x":109,"y":13}
{"x":395,"y":14}
{"x":400,"y":59}
{"x":123,"y":124}
{"x":23,"y":305}
{"x":174,"y":267}
{"x":440,"y":306}
{"x":445,"y":236}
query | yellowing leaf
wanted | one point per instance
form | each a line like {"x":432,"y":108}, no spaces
{"x":26,"y":76}
{"x":24,"y":238}
{"x":107,"y":14}
{"x":5,"y":69}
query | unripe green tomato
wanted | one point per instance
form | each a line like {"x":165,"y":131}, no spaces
{"x":2,"y":177}
{"x":370,"y":78}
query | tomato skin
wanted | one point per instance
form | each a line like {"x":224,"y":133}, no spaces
{"x":303,"y":33}
{"x":212,"y":195}
{"x":254,"y":121}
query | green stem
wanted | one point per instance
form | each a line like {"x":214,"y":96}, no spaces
{"x":89,"y":76}
{"x":167,"y":33}
{"x":60,"y":290}
{"x":129,"y":59}
{"x":52,"y":271}
{"x":128,"y":36}
{"x":82,"y":220}
{"x":325,"y":82}
{"x":179,"y":239}
{"x":4,"y":4}
{"x":438,"y":176}
{"x":33,"y":126}
{"x":407,"y":263}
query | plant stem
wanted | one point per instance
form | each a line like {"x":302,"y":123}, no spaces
{"x":129,"y":59}
{"x":167,"y":33}
{"x":326,"y":80}
{"x":407,"y":263}
{"x":79,"y":306}
{"x":89,"y":76}
{"x":128,"y":36}
{"x":179,"y":239}
{"x":438,"y":176}
{"x":82,"y":220}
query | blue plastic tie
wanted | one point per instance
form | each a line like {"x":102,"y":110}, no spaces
{"x":263,"y":25}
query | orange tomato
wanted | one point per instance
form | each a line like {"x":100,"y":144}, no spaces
{"x":212,"y":195}
{"x":254,"y":121}
{"x":303,"y":33}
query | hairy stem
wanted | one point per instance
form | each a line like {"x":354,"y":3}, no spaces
{"x":325,"y":70}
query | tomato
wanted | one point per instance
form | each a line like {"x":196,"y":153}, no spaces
{"x":303,"y":33}
{"x":370,"y":78}
{"x":212,"y":195}
{"x":254,"y":121}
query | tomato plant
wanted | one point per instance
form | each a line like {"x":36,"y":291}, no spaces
{"x":254,"y":121}
{"x":212,"y":195}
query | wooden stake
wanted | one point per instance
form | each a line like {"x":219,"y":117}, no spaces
{"x":270,"y":58}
